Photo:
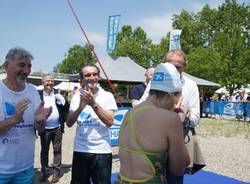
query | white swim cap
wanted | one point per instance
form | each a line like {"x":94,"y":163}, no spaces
{"x":166,"y":78}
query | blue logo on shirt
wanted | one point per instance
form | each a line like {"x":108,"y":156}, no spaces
{"x":10,"y":109}
{"x":85,"y":119}
{"x":84,"y":115}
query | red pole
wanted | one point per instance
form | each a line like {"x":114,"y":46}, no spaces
{"x":91,"y":46}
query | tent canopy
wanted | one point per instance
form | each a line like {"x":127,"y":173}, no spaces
{"x":201,"y":82}
{"x":121,"y":69}
{"x":126,"y":70}
{"x":67,"y":86}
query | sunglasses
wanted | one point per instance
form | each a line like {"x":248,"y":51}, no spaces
{"x":90,"y":74}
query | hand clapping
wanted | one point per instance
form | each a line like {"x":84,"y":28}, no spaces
{"x":42,"y":113}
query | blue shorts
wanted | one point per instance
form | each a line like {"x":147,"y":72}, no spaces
{"x":23,"y":177}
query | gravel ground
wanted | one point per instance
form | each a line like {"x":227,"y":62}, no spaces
{"x":229,"y":156}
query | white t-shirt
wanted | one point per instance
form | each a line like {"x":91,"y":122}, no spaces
{"x":53,"y":119}
{"x":92,"y":135}
{"x":17,"y":145}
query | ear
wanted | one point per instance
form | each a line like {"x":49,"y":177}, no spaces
{"x":5,"y":65}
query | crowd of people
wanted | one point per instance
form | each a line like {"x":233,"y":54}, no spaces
{"x":157,"y":138}
{"x":239,"y":96}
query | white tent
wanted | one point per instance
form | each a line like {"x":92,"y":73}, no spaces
{"x":224,"y":90}
{"x":125,"y":69}
{"x":67,"y":86}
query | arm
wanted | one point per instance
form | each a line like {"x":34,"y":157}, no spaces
{"x":41,"y":115}
{"x":146,"y":93}
{"x":191,"y":101}
{"x":6,"y":124}
{"x":72,"y":117}
{"x":135,"y":96}
{"x":178,"y":154}
{"x":106,"y":116}
{"x":194,"y":107}
{"x":73,"y":114}
{"x":135,"y":102}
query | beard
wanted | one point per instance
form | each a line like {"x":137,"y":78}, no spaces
{"x":21,"y":79}
{"x":91,"y":84}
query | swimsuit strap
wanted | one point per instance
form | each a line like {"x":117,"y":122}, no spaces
{"x":131,"y":121}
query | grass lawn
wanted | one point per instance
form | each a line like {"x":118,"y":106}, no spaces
{"x":225,"y":128}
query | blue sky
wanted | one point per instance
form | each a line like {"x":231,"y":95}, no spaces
{"x":48,"y":29}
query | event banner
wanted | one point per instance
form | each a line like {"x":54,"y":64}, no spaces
{"x":115,"y":128}
{"x":175,"y":39}
{"x":113,"y":25}
{"x":227,"y":108}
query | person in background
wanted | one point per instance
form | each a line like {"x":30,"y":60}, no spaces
{"x":93,"y":110}
{"x":73,"y":92}
{"x":190,"y":105}
{"x":152,"y":132}
{"x":138,"y":90}
{"x":21,"y":111}
{"x":53,"y":130}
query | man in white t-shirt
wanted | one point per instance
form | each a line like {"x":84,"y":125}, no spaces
{"x":20,"y":111}
{"x":92,"y":108}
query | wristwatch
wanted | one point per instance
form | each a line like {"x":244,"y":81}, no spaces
{"x":95,"y":106}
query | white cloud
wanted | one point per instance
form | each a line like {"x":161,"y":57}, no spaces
{"x":215,"y":4}
{"x":94,"y":38}
{"x":157,"y":27}
{"x":97,"y":38}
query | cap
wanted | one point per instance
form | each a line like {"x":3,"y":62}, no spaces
{"x":166,"y":78}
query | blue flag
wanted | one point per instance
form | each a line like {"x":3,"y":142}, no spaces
{"x":113,"y":26}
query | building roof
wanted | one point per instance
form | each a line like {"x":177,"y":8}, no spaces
{"x":201,"y":82}
{"x":121,"y":69}
{"x":124,"y":69}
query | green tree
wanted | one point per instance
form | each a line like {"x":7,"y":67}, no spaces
{"x":74,"y":59}
{"x":221,"y":34}
{"x":134,"y":44}
{"x":158,"y":51}
{"x":38,"y":73}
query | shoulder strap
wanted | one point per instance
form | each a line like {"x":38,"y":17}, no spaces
{"x":140,"y":151}
{"x":41,"y":94}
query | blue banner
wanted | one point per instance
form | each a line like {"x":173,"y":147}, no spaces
{"x":115,"y":128}
{"x":113,"y":25}
{"x":227,"y":108}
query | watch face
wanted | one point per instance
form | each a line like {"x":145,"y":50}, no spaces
{"x":95,"y":106}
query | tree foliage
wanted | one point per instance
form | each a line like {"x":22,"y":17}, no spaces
{"x":74,"y":59}
{"x":217,"y":42}
{"x":134,"y":44}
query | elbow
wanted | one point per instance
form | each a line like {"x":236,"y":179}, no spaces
{"x":109,"y":120}
{"x":68,"y":124}
{"x":179,"y":169}
{"x":109,"y":123}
